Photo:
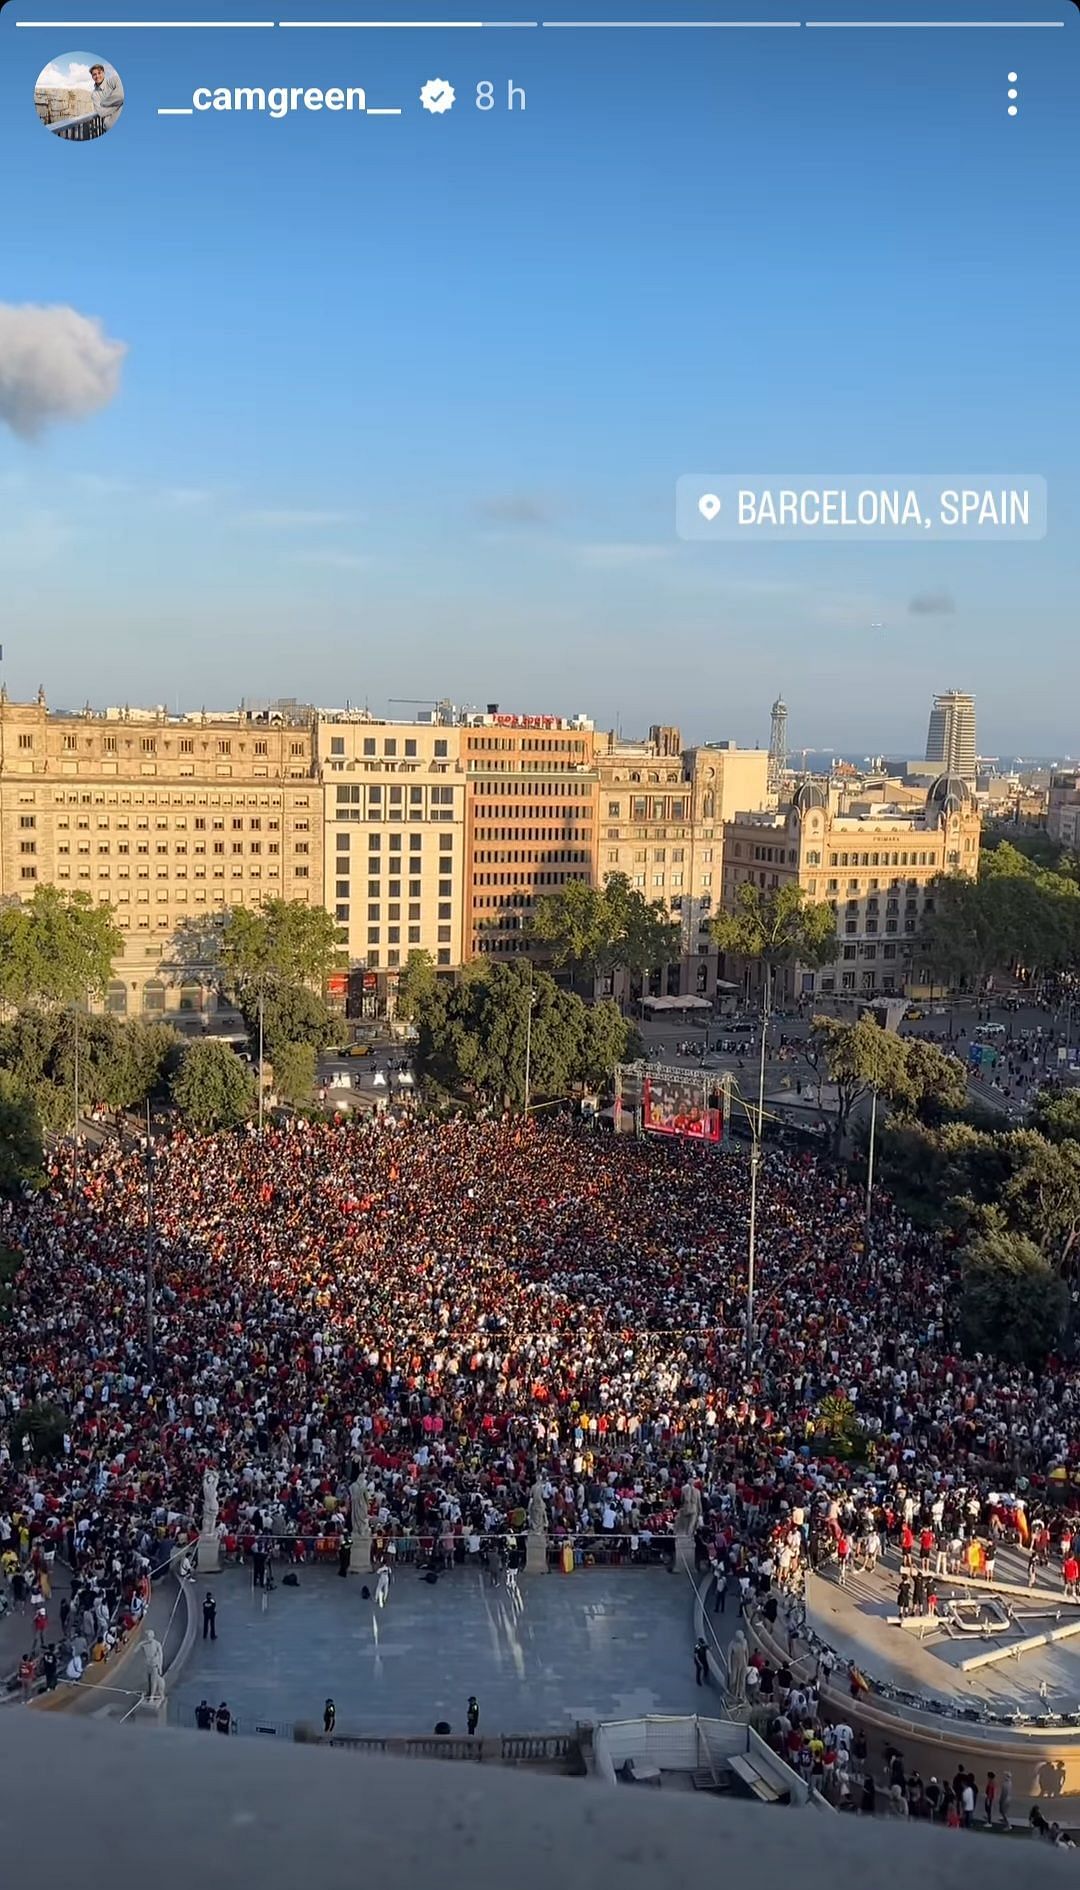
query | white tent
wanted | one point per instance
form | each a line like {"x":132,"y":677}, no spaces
{"x":676,"y":1004}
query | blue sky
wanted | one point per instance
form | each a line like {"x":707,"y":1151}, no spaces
{"x":403,"y":400}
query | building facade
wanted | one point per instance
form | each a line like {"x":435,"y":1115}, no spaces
{"x":1063,"y":810}
{"x":530,"y":821}
{"x":393,"y":811}
{"x":950,"y":740}
{"x":169,"y":819}
{"x":661,"y":819}
{"x":873,"y":868}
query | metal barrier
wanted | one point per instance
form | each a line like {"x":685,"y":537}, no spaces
{"x":89,"y":125}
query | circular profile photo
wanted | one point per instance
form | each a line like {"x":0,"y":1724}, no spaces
{"x":78,"y":96}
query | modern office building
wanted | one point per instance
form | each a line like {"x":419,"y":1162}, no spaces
{"x":170,"y":819}
{"x":950,"y":740}
{"x":1063,"y":809}
{"x":530,"y":815}
{"x":393,"y":808}
{"x":873,"y":867}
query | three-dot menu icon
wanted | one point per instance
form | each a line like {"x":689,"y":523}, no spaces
{"x":1013,"y":94}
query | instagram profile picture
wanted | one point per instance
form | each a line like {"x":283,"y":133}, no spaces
{"x":78,"y":96}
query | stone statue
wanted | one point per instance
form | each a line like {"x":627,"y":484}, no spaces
{"x":689,"y":1515}
{"x":154,"y":1656}
{"x":358,"y":1514}
{"x":737,"y":1663}
{"x":537,"y":1513}
{"x":209,"y":1501}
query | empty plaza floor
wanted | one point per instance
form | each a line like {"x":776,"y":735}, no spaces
{"x":600,"y":1643}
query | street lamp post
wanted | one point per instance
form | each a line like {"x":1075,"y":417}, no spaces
{"x":870,"y":1167}
{"x":75,"y":1136}
{"x":262,"y":992}
{"x":528,"y":1048}
{"x":756,"y":1131}
{"x":149,"y":1255}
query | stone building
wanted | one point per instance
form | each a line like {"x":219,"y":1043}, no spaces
{"x":170,"y":819}
{"x":873,"y":867}
{"x":662,"y":809}
{"x":393,"y":800}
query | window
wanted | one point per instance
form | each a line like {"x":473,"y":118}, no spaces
{"x":390,"y":746}
{"x":373,"y":935}
{"x":341,"y":912}
{"x":341,"y":889}
{"x":337,"y":744}
{"x":444,"y":935}
{"x":440,"y":751}
{"x":26,"y":741}
{"x":410,"y":747}
{"x":224,"y":748}
{"x":369,"y":744}
{"x":28,"y":872}
{"x":443,"y":956}
{"x":27,"y":821}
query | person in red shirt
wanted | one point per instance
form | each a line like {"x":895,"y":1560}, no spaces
{"x":1070,"y":1570}
{"x":843,"y":1556}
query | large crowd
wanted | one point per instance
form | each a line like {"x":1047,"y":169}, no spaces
{"x":459,"y":1310}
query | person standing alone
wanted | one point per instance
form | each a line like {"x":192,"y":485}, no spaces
{"x":209,"y":1617}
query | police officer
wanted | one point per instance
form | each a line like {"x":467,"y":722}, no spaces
{"x":209,"y":1617}
{"x":223,"y":1718}
{"x":204,"y":1716}
{"x":329,"y":1718}
{"x":472,"y":1716}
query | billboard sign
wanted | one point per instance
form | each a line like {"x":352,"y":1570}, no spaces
{"x":690,"y":1106}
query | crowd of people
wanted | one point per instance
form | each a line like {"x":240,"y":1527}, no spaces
{"x":458,"y":1311}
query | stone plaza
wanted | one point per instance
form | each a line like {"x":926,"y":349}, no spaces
{"x":599,"y":1643}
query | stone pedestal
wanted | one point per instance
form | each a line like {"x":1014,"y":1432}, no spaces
{"x":684,"y":1552}
{"x":360,"y":1553}
{"x":536,"y":1561}
{"x":208,"y":1559}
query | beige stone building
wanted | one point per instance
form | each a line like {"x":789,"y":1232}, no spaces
{"x":873,"y":867}
{"x":662,"y":809}
{"x":168,"y":818}
{"x":393,"y":802}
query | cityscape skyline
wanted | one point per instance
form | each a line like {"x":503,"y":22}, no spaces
{"x":412,"y":396}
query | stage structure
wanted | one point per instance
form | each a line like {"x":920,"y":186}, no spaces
{"x":664,"y":1099}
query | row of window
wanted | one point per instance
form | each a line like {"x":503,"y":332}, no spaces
{"x":149,"y":745}
{"x":368,"y":746}
{"x":393,"y":932}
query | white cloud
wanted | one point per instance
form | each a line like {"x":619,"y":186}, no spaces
{"x":55,"y":365}
{"x":72,"y":74}
{"x":182,"y":498}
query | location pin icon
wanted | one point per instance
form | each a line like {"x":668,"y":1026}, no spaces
{"x":709,"y":506}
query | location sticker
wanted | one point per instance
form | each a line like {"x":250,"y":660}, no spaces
{"x":709,"y":506}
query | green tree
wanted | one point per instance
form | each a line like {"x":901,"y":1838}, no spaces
{"x":592,"y":930}
{"x":291,"y":1015}
{"x":281,"y":943}
{"x":56,"y":948}
{"x":477,"y":1034}
{"x":915,"y":1077}
{"x":212,"y":1088}
{"x":1056,"y":1117}
{"x":21,"y":1152}
{"x":1040,"y":1196}
{"x":416,"y":986}
{"x":1013,"y":1305}
{"x":294,"y":1073}
{"x":775,"y":927}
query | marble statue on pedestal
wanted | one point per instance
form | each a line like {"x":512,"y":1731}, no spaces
{"x":537,"y":1513}
{"x":209,"y":1500}
{"x":689,"y":1516}
{"x":154,"y":1656}
{"x":359,"y":1496}
{"x":738,"y":1661}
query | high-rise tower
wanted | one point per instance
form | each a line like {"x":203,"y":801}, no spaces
{"x":950,"y":740}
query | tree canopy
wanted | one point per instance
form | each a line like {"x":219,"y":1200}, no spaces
{"x":56,"y":948}
{"x":21,"y":1151}
{"x":775,"y":926}
{"x":1018,"y":915}
{"x":120,"y":1063}
{"x":473,"y":1035}
{"x":415,"y":986}
{"x":592,"y":930}
{"x":281,"y":942}
{"x":914,"y":1076}
{"x":1012,"y":1303}
{"x":212,"y":1088}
